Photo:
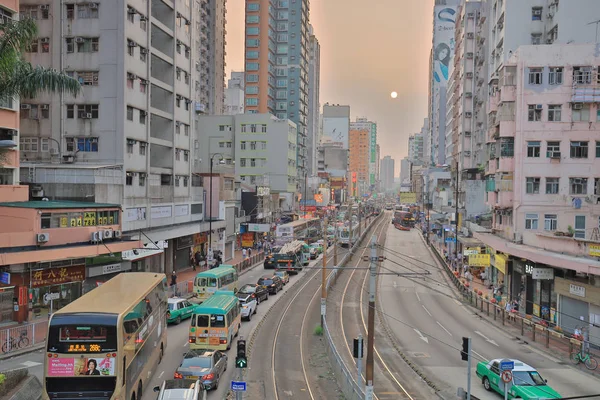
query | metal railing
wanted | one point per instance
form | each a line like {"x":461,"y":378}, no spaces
{"x":23,"y":336}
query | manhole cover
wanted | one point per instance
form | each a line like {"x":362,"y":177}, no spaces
{"x":418,"y":354}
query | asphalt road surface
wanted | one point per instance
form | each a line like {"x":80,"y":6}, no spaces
{"x":429,"y":323}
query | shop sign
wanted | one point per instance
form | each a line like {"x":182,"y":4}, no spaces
{"x":5,"y":278}
{"x":259,"y":228}
{"x":577,"y":290}
{"x":594,"y":250}
{"x":56,"y":276}
{"x":479,"y":260}
{"x":542,"y":273}
{"x":181,"y":210}
{"x":135,"y":214}
{"x":500,"y":262}
{"x":185,"y":241}
{"x":161,"y":212}
{"x":248,"y":239}
{"x":200,"y":238}
{"x":529,"y":268}
{"x":111,"y":268}
{"x":469,"y":251}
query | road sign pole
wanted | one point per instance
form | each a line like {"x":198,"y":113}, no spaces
{"x":506,"y":391}
{"x":359,"y":359}
{"x":371,"y":319}
{"x":239,"y":395}
{"x":469,"y":372}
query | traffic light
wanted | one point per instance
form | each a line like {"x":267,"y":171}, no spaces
{"x":241,"y":361}
{"x":464,"y":354}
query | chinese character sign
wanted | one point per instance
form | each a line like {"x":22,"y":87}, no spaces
{"x":55,"y":276}
{"x":479,"y":260}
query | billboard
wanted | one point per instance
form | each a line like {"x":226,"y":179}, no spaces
{"x":443,"y":43}
{"x":336,"y":128}
{"x":373,"y":157}
{"x":408,"y":197}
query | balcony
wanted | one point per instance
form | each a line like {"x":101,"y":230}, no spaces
{"x":505,"y":198}
{"x":506,"y":164}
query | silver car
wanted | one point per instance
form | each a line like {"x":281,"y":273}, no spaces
{"x":180,"y":389}
{"x":206,"y":365}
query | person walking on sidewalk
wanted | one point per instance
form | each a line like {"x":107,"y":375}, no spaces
{"x":244,"y":253}
{"x":249,"y":252}
{"x":174,"y":282}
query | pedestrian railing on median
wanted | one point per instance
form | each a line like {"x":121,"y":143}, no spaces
{"x":531,"y":328}
{"x":23,"y":336}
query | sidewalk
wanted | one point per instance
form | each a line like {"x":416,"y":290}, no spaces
{"x":527,"y":329}
{"x":36,"y":330}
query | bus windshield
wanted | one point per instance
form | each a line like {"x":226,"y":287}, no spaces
{"x":206,"y":282}
{"x":201,"y":321}
{"x":68,"y":337}
{"x":217,"y":321}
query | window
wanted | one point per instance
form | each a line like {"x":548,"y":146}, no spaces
{"x":129,"y":179}
{"x":550,"y":222}
{"x":552,"y":185}
{"x":242,"y":162}
{"x":28,"y":144}
{"x":186,"y":129}
{"x":536,"y":38}
{"x":578,"y":185}
{"x":33,"y":46}
{"x":70,"y":11}
{"x":536,"y":76}
{"x":87,"y":111}
{"x":533,"y":149}
{"x":553,"y":150}
{"x":251,"y":66}
{"x":251,"y":77}
{"x":186,"y":156}
{"x":143,"y":53}
{"x":143,"y":85}
{"x":253,"y":6}
{"x":142,"y":179}
{"x":45,"y":42}
{"x":531,"y":221}
{"x":582,"y":75}
{"x":252,"y":42}
{"x":263,"y":128}
{"x":554,"y":112}
{"x":83,"y":144}
{"x":130,"y":14}
{"x":579,"y":149}
{"x":581,"y":112}
{"x":143,"y":24}
{"x":598,"y":149}
{"x":253,"y":55}
{"x":177,"y":155}
{"x":142,"y":117}
{"x":70,"y":45}
{"x":507,"y":147}
{"x":86,"y":45}
{"x":251,"y":101}
{"x":87,"y":11}
{"x":555,"y":77}
{"x":597,"y":186}
{"x":252,"y":145}
{"x":532,"y":185}
{"x":143,"y":146}
{"x":580,"y":226}
{"x":130,"y":146}
{"x":534,"y":112}
{"x":131,"y":50}
{"x":251,"y":89}
{"x":252,"y":19}
{"x":85,"y":78}
{"x":252,"y":31}
{"x":536,"y":13}
{"x":129,"y":113}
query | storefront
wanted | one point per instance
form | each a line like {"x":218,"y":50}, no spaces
{"x":499,"y":276}
{"x":578,"y":306}
{"x":533,"y":286}
{"x":200,"y":243}
{"x":53,"y":288}
{"x":96,"y":275}
{"x":183,"y":252}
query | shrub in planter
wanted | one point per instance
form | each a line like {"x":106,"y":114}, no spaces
{"x":479,"y":292}
{"x":558,"y":329}
{"x":467,"y":284}
{"x":493,"y":301}
{"x":487,"y":296}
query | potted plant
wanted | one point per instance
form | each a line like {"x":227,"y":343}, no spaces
{"x":570,"y":231}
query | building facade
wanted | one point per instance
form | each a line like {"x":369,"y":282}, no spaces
{"x":371,"y":127}
{"x":214,"y":38}
{"x":387,"y":173}
{"x":336,"y":124}
{"x":234,"y":94}
{"x":277,"y":65}
{"x":359,"y":160}
{"x":314,"y":105}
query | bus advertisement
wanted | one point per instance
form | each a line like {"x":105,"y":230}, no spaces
{"x":215,"y":322}
{"x":107,"y":346}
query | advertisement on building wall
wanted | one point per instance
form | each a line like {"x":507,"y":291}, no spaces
{"x":443,"y":43}
{"x":337,"y":130}
{"x":373,"y":158}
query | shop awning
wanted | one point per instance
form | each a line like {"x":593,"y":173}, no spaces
{"x":541,"y":256}
{"x":141,"y":253}
{"x":470,"y":242}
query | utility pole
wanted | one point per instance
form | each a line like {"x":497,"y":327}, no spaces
{"x":371,"y":319}
{"x":350,"y":224}
{"x":335,"y":247}
{"x":428,"y":223}
{"x":359,"y":221}
{"x":324,"y":277}
{"x":456,"y":218}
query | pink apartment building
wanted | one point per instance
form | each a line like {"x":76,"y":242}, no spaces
{"x":543,"y":182}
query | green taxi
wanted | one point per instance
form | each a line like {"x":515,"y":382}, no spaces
{"x":526,"y":384}
{"x":179,"y":309}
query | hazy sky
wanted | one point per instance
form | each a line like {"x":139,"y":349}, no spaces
{"x":368,"y":50}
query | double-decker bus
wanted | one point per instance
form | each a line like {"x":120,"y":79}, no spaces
{"x":107,"y":344}
{"x":216,"y":322}
{"x":302,"y":229}
{"x":208,"y":282}
{"x":292,"y":256}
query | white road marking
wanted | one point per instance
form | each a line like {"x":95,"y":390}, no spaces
{"x":30,"y":364}
{"x":426,"y":310}
{"x":395,"y":284}
{"x":421,"y":336}
{"x":161,"y":374}
{"x":486,"y":338}
{"x":442,"y":326}
{"x":481,"y":358}
{"x":417,"y":293}
{"x":185,"y":344}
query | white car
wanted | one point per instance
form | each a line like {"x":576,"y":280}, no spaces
{"x":248,"y":307}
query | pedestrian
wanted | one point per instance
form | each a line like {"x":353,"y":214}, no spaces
{"x":249,"y":252}
{"x":244,"y":253}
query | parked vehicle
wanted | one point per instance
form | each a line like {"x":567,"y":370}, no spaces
{"x":527,"y":383}
{"x":249,"y":305}
{"x":206,"y":365}
{"x":257,"y":291}
{"x":272,"y":283}
{"x":285,"y":277}
{"x":179,"y":309}
{"x":180,"y":389}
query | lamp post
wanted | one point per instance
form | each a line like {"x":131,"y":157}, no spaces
{"x":305,"y":185}
{"x":221,"y":161}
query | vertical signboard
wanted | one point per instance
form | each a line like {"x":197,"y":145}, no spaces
{"x":373,"y":158}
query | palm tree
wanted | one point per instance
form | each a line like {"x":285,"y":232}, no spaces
{"x":17,"y":76}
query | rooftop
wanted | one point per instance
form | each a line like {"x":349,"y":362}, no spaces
{"x":54,"y":205}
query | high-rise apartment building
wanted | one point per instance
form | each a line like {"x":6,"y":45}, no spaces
{"x":314,"y":105}
{"x":214,"y":39}
{"x":405,"y":170}
{"x":371,"y":127}
{"x":415,"y":148}
{"x":359,"y":159}
{"x":234,"y":94}
{"x":127,"y":139}
{"x":277,"y":64}
{"x":336,"y":123}
{"x":387,"y":173}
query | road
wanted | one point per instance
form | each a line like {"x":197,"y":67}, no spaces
{"x":428,"y":323}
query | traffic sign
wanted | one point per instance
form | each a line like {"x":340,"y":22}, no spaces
{"x":507,"y":365}
{"x":506,"y":376}
{"x":238,"y":386}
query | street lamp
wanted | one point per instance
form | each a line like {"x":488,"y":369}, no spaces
{"x":221,"y":161}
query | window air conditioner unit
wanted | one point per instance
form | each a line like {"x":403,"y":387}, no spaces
{"x":470,"y":15}
{"x":108,"y":234}
{"x":467,"y":133}
{"x":79,"y":40}
{"x":37,"y":191}
{"x":131,"y":76}
{"x":470,"y":35}
{"x":131,"y":43}
{"x":45,"y":40}
{"x":44,"y":7}
{"x":468,"y":114}
{"x":469,"y":55}
{"x":93,"y":5}
{"x":539,"y":106}
{"x":131,"y":11}
{"x":577,"y":106}
{"x":53,"y":151}
{"x":467,"y":154}
{"x":130,"y":141}
{"x":537,"y":12}
{"x":43,"y":237}
{"x":117,"y":234}
{"x":96,"y":237}
{"x":549,"y":41}
{"x":468,"y":95}
{"x":44,"y":106}
{"x":469,"y":75}
{"x":144,"y":51}
{"x":554,"y":154}
{"x":25,"y":106}
{"x":68,"y":158}
{"x":143,"y":18}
